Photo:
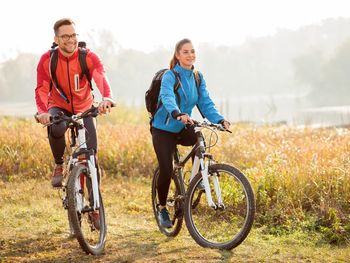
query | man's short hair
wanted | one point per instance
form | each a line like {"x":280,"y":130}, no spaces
{"x":62,"y":22}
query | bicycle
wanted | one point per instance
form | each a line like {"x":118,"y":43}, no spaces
{"x":225,"y":217}
{"x":81,"y":192}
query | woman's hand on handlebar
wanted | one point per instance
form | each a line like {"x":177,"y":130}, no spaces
{"x":43,"y":118}
{"x":185,"y":119}
{"x":226,"y":124}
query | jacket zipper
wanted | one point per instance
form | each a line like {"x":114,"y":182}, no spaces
{"x":70,"y":88}
{"x":167,"y":119}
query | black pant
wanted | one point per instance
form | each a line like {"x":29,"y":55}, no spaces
{"x":164,"y":144}
{"x":56,"y":135}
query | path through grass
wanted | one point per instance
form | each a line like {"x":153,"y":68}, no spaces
{"x":33,"y":228}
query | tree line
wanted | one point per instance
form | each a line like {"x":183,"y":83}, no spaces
{"x":311,"y":62}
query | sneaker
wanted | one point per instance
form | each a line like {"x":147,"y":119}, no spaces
{"x":163,"y":217}
{"x":57,"y":176}
{"x":94,"y":218}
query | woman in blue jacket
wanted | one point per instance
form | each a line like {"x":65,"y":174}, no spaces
{"x":168,"y":125}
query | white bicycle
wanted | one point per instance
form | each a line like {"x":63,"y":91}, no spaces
{"x":81,"y":191}
{"x":218,"y":205}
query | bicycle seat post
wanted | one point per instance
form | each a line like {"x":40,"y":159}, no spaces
{"x":176,"y":156}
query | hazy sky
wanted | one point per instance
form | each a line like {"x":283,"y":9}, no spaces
{"x":147,"y":24}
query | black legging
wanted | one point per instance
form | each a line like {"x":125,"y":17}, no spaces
{"x":164,"y":144}
{"x":56,"y":135}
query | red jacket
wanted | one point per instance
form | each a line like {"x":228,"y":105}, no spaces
{"x":80,"y":99}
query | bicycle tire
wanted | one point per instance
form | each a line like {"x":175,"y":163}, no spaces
{"x":175,"y":214}
{"x":234,"y":221}
{"x":91,"y":239}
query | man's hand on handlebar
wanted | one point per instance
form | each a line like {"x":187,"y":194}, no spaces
{"x":43,"y":118}
{"x":104,"y":107}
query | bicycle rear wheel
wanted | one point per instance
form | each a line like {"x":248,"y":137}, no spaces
{"x":226,"y":226}
{"x":174,"y":206}
{"x":88,"y":224}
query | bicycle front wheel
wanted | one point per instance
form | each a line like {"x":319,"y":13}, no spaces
{"x":174,"y":205}
{"x":89,"y":225}
{"x":228,"y":224}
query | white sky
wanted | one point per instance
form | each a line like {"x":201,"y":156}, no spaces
{"x":147,"y":24}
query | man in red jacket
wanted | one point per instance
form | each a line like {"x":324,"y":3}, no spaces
{"x":70,"y":93}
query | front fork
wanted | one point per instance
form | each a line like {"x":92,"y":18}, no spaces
{"x":80,"y":184}
{"x":92,"y":168}
{"x":94,"y":181}
{"x":204,"y":170}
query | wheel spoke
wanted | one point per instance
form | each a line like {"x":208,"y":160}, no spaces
{"x":88,"y":225}
{"x":228,"y":224}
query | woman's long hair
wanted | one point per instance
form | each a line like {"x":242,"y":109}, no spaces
{"x":178,"y":47}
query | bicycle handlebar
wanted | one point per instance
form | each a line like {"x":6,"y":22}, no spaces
{"x":55,"y":119}
{"x":93,"y":112}
{"x":206,"y":124}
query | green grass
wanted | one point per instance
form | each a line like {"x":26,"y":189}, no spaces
{"x":33,"y":228}
{"x":300,"y":178}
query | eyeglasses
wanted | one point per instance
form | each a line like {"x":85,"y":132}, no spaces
{"x":67,"y":37}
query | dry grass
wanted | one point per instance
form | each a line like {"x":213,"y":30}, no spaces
{"x":300,"y":176}
{"x":33,"y":228}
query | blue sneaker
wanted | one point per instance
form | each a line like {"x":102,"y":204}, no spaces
{"x":163,"y":217}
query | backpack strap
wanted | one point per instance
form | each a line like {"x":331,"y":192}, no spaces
{"x":176,"y":88}
{"x":198,"y":80}
{"x":52,"y":68}
{"x":177,"y":85}
{"x":82,"y":61}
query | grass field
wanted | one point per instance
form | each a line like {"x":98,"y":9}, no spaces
{"x":33,"y":228}
{"x":300,"y":178}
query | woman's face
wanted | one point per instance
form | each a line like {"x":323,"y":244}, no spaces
{"x":186,"y":56}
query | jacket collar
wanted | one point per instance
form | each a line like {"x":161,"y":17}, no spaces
{"x":75,"y":55}
{"x":181,"y":70}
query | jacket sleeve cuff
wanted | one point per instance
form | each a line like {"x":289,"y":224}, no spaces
{"x":176,"y":113}
{"x":110,"y":100}
{"x":222,"y":121}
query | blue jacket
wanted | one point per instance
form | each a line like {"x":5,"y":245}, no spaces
{"x":163,"y":119}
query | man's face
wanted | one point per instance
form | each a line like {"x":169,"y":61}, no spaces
{"x":66,"y":39}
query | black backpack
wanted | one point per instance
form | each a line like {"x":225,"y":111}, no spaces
{"x":53,"y":66}
{"x":152,"y":94}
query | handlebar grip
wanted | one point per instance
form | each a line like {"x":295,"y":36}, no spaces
{"x":93,"y":111}
{"x":59,"y":117}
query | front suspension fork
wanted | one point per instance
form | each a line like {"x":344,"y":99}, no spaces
{"x":205,"y":178}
